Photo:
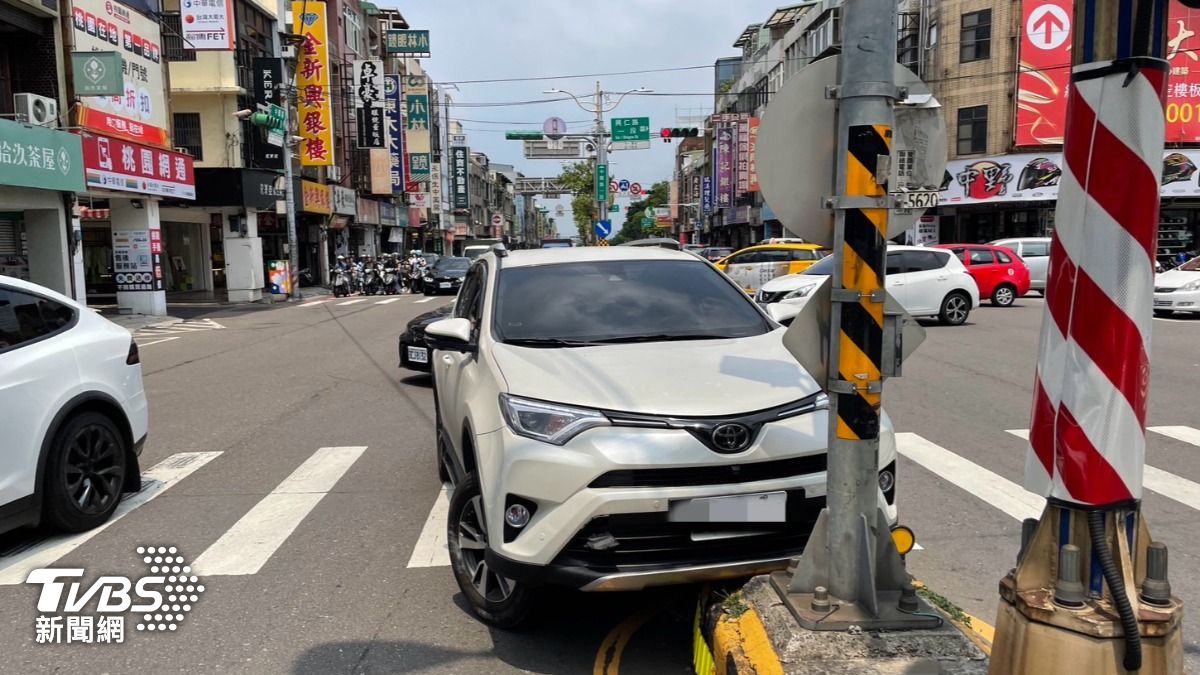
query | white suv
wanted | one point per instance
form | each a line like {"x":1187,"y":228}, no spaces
{"x":927,"y":282}
{"x":616,"y":418}
{"x":72,"y":410}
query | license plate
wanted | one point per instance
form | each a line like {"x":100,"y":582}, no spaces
{"x":443,"y":285}
{"x":768,"y":507}
{"x":418,"y":355}
{"x":1162,"y":303}
{"x":917,"y":199}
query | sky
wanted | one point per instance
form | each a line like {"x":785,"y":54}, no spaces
{"x":493,"y":39}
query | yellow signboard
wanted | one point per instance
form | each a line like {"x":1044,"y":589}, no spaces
{"x":312,"y":84}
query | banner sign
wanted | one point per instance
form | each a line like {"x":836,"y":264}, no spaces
{"x":140,"y":114}
{"x":752,"y":157}
{"x":407,"y":42}
{"x":743,"y":154}
{"x":395,"y":130}
{"x":40,"y":158}
{"x":1025,"y":177}
{"x":381,"y":165}
{"x":312,"y":85}
{"x":1045,"y":72}
{"x":416,"y":101}
{"x":208,"y":25}
{"x":98,"y":73}
{"x":372,"y":127}
{"x":115,"y":164}
{"x":268,"y":88}
{"x":706,"y":195}
{"x":345,"y":201}
{"x":316,"y":198}
{"x":136,"y":264}
{"x":724,"y":164}
{"x":459,"y":156}
{"x":368,"y":83}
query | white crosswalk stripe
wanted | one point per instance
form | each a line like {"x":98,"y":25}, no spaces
{"x":355,"y":301}
{"x":423,"y":301}
{"x":246,"y":547}
{"x":15,"y":568}
{"x":992,"y":488}
{"x":386,"y":302}
{"x":431,"y":550}
{"x":314,"y":303}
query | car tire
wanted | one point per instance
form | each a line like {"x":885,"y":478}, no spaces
{"x":1163,"y":313}
{"x":85,"y":473}
{"x":495,"y":599}
{"x":427,"y":291}
{"x":1004,"y":295}
{"x":956,"y":307}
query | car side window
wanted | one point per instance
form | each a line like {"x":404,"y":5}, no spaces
{"x":922,"y":261}
{"x":475,"y":303}
{"x":25,"y":317}
{"x":961,"y":253}
{"x":981,"y":256}
{"x":895,"y":264}
{"x":803,"y":254}
{"x":466,"y":293}
{"x":745,"y":258}
{"x":774,"y":256}
{"x":1035,"y":249}
{"x":1003,"y":257}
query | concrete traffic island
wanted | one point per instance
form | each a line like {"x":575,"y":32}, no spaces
{"x":753,"y":633}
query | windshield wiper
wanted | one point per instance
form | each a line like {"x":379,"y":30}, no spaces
{"x":548,"y":342}
{"x":665,"y":338}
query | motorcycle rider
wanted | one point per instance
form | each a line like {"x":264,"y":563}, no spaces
{"x":416,"y":270}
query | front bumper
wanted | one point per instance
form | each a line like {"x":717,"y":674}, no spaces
{"x":1177,"y":301}
{"x":618,"y":483}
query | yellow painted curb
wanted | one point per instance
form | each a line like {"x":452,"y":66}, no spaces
{"x":745,"y":639}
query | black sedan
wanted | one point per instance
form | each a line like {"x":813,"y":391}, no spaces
{"x":414,"y":353}
{"x":445,"y":276}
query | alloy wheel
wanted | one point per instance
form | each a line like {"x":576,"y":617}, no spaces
{"x":92,"y":471}
{"x":472,"y":542}
{"x":1004,"y":296}
{"x":956,"y":309}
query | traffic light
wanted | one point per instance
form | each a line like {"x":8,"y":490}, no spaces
{"x":667,"y":133}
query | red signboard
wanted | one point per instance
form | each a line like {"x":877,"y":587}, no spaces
{"x":115,"y":164}
{"x":1045,"y":73}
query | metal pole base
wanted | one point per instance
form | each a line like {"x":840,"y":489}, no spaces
{"x":884,"y":584}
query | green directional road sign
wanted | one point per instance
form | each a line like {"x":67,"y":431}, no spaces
{"x":647,"y":223}
{"x":630,"y":129}
{"x":615,"y":208}
{"x":276,"y":113}
{"x":601,"y":182}
{"x":522,"y":135}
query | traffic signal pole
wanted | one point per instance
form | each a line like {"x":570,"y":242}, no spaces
{"x":1090,"y":591}
{"x":289,"y":78}
{"x":850,"y":572}
{"x":601,"y":160}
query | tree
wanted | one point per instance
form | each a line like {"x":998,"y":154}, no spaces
{"x":659,"y":195}
{"x":580,"y":179}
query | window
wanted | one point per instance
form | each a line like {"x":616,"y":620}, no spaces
{"x":1035,"y":249}
{"x":894,"y":264}
{"x":745,"y":258}
{"x":1003,"y":257}
{"x":25,"y":317}
{"x":187,"y":134}
{"x":976,"y":42}
{"x":802,"y":254}
{"x":622,"y":301}
{"x":961,"y":253}
{"x":172,"y":39}
{"x":981,"y":256}
{"x":923,"y":261}
{"x":773,"y":256}
{"x":470,"y":296}
{"x":972,"y":130}
{"x":353,"y":28}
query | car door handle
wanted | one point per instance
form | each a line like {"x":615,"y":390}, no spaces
{"x":942,"y":278}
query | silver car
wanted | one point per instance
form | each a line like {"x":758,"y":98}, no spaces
{"x":1035,"y":251}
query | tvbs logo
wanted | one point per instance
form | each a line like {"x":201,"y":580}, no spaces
{"x":72,"y":611}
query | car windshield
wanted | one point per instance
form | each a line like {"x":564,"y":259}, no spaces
{"x":823,"y":268}
{"x":620,"y":301}
{"x":452,"y":264}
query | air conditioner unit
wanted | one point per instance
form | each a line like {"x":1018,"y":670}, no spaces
{"x":34,"y":109}
{"x":335,"y":173}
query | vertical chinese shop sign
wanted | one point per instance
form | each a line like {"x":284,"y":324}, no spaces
{"x":312,"y":85}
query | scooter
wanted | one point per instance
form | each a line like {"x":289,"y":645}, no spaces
{"x":370,"y":281}
{"x":391,"y":285}
{"x":341,"y":283}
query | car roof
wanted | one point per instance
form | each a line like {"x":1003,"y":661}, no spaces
{"x":784,"y":247}
{"x":900,"y":247}
{"x":555,"y":256}
{"x":20,"y":284}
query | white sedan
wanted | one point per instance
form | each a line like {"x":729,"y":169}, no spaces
{"x":927,"y":282}
{"x":72,"y":408}
{"x":1178,"y":290}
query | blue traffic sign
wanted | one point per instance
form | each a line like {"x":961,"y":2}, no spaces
{"x":603,"y":228}
{"x":623,"y":185}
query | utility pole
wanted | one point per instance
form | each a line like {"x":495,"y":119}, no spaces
{"x":601,"y":160}
{"x":850,"y":572}
{"x":281,"y":9}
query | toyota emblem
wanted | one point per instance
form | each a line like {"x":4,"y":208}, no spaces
{"x":731,"y":437}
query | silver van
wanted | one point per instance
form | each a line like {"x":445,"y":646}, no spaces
{"x":1035,"y":251}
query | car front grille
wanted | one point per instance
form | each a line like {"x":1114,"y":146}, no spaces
{"x":629,"y":542}
{"x":720,"y":474}
{"x":767,"y":297}
{"x":1164,"y":290}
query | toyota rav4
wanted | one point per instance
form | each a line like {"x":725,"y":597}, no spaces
{"x":616,"y":418}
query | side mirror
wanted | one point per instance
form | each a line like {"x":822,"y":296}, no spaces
{"x":782,"y":312}
{"x":452,"y":335}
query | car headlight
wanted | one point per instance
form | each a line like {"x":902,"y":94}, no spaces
{"x":549,"y":422}
{"x":429,"y":279}
{"x":1191,"y":286}
{"x":801,"y":292}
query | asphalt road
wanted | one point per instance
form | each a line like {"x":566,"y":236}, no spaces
{"x":297,"y":417}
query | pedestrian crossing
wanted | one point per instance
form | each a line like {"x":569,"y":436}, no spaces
{"x":372,"y":300}
{"x":172,"y":330}
{"x":249,"y":544}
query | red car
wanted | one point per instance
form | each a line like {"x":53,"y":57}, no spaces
{"x":999,"y":272}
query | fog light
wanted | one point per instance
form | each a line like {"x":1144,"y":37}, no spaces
{"x":903,"y":538}
{"x":886,"y":481}
{"x":517,"y":515}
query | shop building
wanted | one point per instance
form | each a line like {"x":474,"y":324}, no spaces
{"x":314,"y":206}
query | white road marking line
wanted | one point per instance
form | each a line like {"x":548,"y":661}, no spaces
{"x":314,"y":303}
{"x":431,"y":550}
{"x":166,"y":339}
{"x":981,"y":483}
{"x":419,"y":302}
{"x":355,"y":301}
{"x":1154,"y":479}
{"x":155,"y":481}
{"x":246,"y":547}
{"x":386,"y":302}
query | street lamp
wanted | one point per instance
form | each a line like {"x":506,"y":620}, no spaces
{"x":598,"y":109}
